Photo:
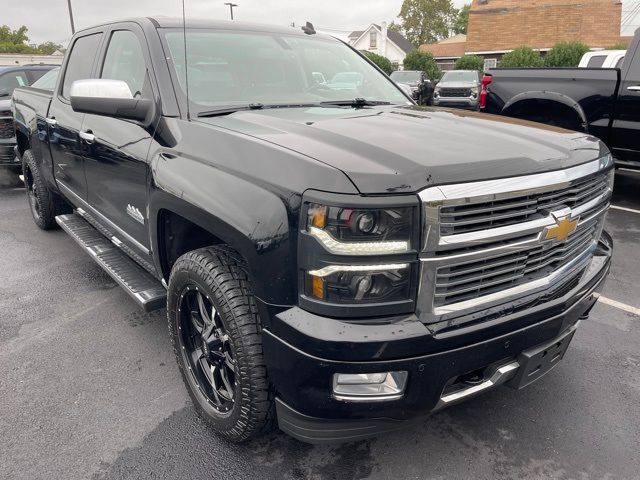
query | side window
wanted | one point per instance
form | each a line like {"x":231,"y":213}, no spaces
{"x":596,"y":61}
{"x":80,"y":62}
{"x":125,"y":61}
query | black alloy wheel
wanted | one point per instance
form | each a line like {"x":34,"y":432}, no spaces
{"x":207,"y":349}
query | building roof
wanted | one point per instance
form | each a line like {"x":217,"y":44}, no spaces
{"x":453,"y":47}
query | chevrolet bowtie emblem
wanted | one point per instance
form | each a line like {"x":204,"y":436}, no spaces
{"x":562,"y":230}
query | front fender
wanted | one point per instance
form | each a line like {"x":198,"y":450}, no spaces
{"x":256,"y":222}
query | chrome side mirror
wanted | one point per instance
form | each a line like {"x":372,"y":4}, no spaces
{"x":109,"y":98}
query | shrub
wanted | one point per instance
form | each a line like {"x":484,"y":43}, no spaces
{"x":522,"y":57}
{"x":470,"y":62}
{"x":618,"y":46}
{"x":423,"y":61}
{"x":565,"y":54}
{"x":383,"y":62}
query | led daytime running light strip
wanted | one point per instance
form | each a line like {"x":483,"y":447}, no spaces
{"x":357,"y":248}
{"x":331,"y":269}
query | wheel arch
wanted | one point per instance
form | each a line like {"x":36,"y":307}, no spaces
{"x":536,"y":101}
{"x":194,"y":227}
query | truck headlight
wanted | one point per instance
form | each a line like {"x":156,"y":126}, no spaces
{"x":436,"y":92}
{"x":474,"y":92}
{"x":354,"y":258}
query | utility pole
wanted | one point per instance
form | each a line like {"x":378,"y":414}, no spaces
{"x":231,"y":5}
{"x":73,"y":28}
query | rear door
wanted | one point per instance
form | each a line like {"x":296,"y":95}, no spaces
{"x":67,"y":149}
{"x":625,"y":134}
{"x":116,"y":162}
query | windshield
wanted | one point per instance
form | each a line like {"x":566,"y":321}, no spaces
{"x":11,"y":80}
{"x":459,"y":76}
{"x":242,"y":68}
{"x":405,"y":76}
{"x":48,"y":80}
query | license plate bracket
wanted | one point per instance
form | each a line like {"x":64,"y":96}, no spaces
{"x":538,"y":361}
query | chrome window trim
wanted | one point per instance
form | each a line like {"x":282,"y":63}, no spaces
{"x":514,"y":238}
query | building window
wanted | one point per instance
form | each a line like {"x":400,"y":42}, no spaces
{"x":490,"y":63}
{"x":373,"y":39}
{"x":446,"y":66}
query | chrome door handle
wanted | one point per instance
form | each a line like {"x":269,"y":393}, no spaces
{"x":87,"y":136}
{"x":51,"y":121}
{"x":634,"y":88}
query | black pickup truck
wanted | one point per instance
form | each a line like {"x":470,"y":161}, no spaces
{"x":335,"y":259}
{"x":604,"y":102}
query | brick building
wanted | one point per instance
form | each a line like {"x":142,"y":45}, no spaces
{"x":498,"y":26}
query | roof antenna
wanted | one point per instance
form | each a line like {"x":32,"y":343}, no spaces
{"x":308,"y":29}
{"x":186,"y":68}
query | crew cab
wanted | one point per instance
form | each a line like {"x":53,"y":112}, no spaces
{"x":332,"y":264}
{"x":604,"y":102}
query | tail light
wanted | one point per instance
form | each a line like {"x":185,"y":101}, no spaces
{"x":486,"y":80}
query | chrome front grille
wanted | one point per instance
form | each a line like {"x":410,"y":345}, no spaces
{"x":480,"y":216}
{"x":464,"y":281}
{"x":485,"y":243}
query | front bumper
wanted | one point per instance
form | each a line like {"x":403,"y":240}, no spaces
{"x":460,"y":102}
{"x":304,"y":351}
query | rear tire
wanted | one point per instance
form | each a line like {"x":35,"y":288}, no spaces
{"x":216,"y":334}
{"x":44,"y":204}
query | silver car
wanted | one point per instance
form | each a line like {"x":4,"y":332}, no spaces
{"x":458,"y":88}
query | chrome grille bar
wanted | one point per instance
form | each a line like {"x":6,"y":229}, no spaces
{"x":472,"y":271}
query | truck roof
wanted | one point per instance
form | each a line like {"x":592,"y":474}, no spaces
{"x":176,"y":22}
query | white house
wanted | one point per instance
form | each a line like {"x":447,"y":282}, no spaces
{"x":378,"y":39}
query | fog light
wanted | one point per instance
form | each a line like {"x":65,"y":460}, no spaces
{"x":369,"y":387}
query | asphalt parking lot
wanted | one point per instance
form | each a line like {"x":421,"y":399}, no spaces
{"x":89,"y":387}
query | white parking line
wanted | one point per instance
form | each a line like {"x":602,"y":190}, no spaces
{"x":620,"y":305}
{"x":625,"y":209}
{"x":629,"y":170}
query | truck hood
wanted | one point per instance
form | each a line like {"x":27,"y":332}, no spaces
{"x":405,"y":149}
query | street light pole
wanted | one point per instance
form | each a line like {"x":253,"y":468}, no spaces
{"x":231,"y":5}
{"x":73,"y":28}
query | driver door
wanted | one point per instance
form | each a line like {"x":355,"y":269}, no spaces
{"x":116,"y":165}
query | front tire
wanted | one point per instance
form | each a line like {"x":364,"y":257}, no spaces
{"x":216,"y":334}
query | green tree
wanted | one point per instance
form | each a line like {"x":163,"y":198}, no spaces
{"x":461,"y":20}
{"x":383,"y":62}
{"x":17,"y":37}
{"x":48,"y":48}
{"x":426,"y":21}
{"x":565,"y":54}
{"x":522,"y":57}
{"x":424,"y":61}
{"x":470,"y":62}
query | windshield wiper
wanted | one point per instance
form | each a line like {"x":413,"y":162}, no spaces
{"x":355,"y":103}
{"x":229,"y":110}
{"x":252,"y":106}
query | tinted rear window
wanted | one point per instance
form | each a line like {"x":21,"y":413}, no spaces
{"x":596,"y":61}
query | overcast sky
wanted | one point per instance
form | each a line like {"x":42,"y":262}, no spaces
{"x":48,"y":19}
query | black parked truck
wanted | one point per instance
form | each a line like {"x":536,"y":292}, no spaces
{"x":335,"y":259}
{"x":604,"y":102}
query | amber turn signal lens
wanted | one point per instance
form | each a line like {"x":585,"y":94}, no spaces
{"x":319,"y":217}
{"x":317,"y":287}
